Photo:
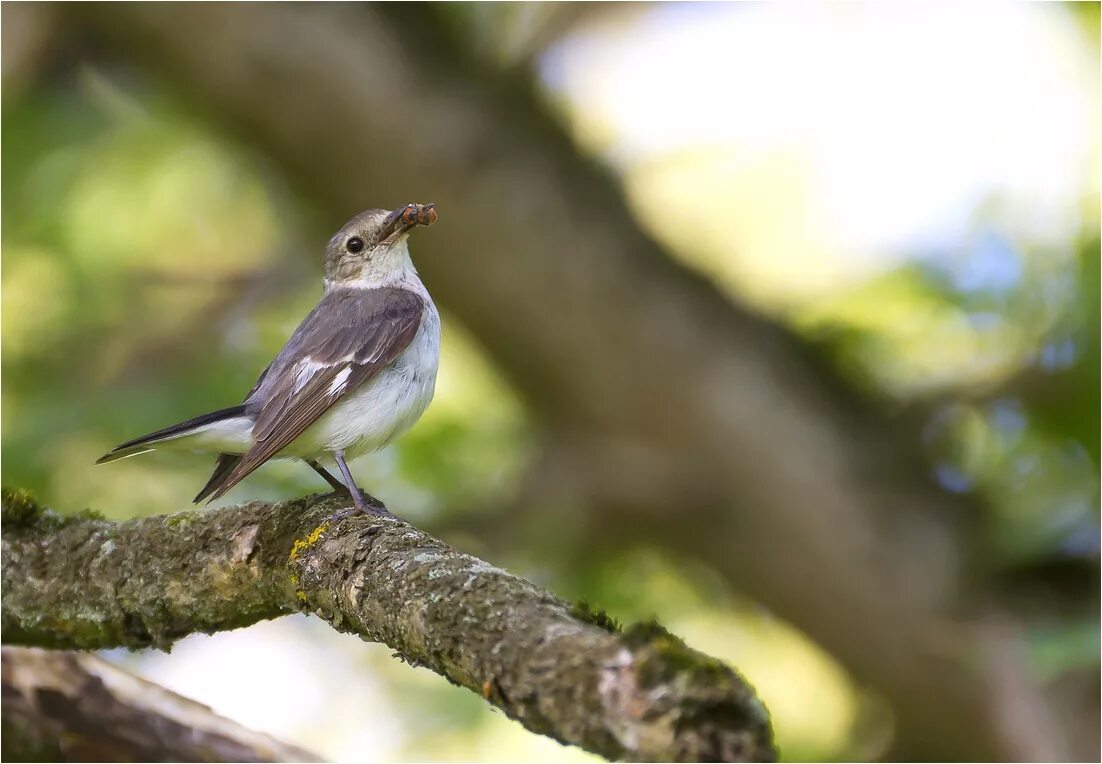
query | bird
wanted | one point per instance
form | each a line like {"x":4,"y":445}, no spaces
{"x":357,"y":373}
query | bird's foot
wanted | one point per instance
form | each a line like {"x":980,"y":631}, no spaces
{"x":363,"y":503}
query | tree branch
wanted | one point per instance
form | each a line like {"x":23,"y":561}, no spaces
{"x":64,"y":706}
{"x":561,"y":671}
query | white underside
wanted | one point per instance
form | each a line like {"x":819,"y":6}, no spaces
{"x":366,"y":419}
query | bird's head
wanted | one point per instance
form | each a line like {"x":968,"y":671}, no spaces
{"x":370,"y":250}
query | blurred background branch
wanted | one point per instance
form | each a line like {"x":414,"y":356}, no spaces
{"x":63,"y":706}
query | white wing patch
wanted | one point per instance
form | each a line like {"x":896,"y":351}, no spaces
{"x":376,"y":354}
{"x":340,"y":381}
{"x":304,"y":371}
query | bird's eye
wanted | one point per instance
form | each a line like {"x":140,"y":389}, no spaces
{"x":354,"y":245}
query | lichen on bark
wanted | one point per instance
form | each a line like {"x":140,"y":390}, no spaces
{"x":562,"y":670}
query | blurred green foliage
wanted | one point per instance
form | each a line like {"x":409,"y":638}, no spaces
{"x":1005,"y":371}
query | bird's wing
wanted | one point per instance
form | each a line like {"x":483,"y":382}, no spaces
{"x":344,"y":342}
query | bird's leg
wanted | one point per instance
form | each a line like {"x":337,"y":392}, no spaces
{"x":365,"y":502}
{"x":334,"y":483}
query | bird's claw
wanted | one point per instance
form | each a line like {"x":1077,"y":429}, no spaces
{"x":363,"y":503}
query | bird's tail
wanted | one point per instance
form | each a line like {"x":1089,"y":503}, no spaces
{"x":224,"y":466}
{"x":150,"y":441}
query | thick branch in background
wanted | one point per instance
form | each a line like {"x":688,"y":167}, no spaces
{"x":654,"y":389}
{"x":560,"y":670}
{"x":64,"y":706}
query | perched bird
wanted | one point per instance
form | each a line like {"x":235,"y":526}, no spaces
{"x":357,"y":372}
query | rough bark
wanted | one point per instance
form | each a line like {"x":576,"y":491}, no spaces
{"x":560,"y":670}
{"x":656,"y":392}
{"x":65,"y":706}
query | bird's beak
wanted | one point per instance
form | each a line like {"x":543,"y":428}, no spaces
{"x":404,"y":218}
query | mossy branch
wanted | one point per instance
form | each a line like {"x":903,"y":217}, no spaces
{"x":564,"y":671}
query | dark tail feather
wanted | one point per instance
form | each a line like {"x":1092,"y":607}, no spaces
{"x":225,"y":465}
{"x":144,"y":443}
